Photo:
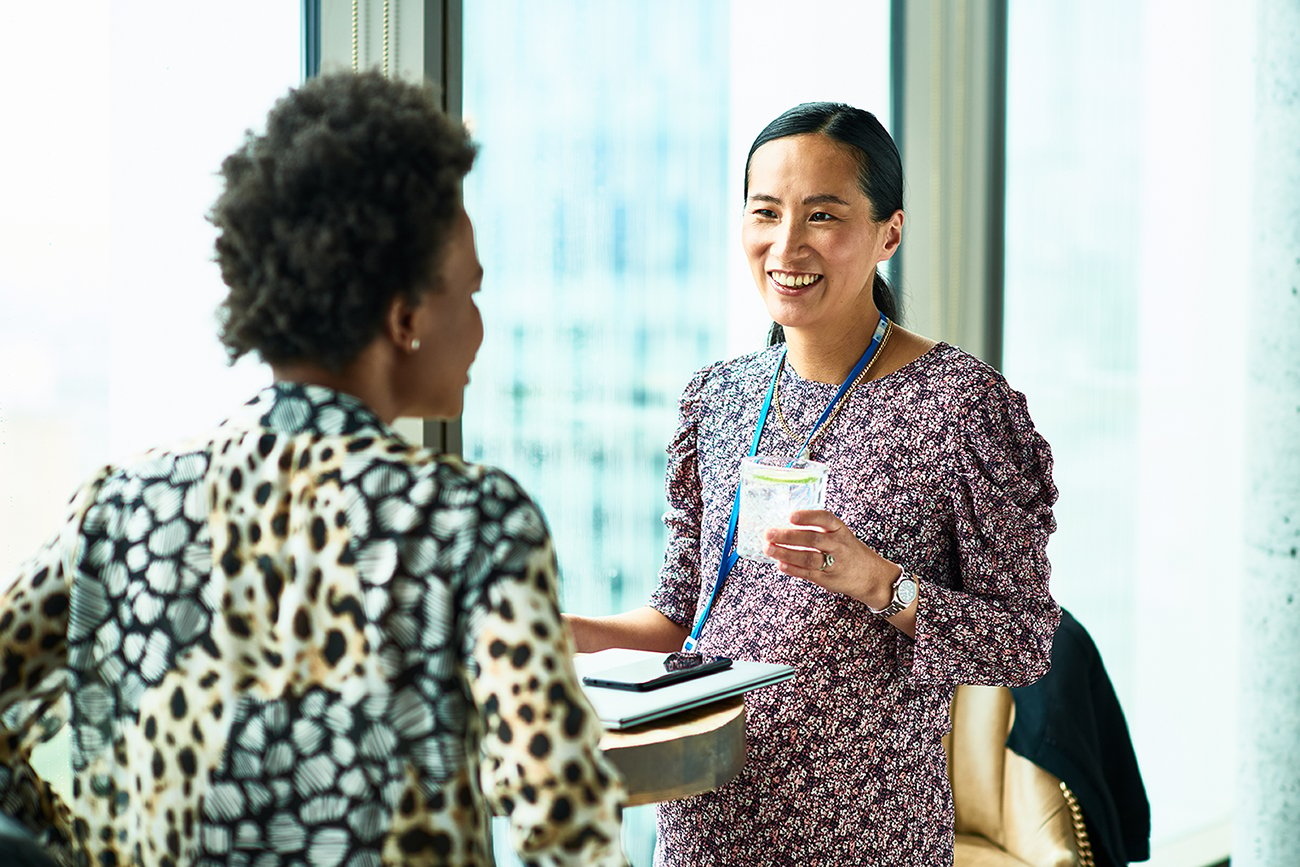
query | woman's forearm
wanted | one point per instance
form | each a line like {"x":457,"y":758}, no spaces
{"x":640,"y":629}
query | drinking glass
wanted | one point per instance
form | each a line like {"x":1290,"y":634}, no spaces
{"x":771,"y":487}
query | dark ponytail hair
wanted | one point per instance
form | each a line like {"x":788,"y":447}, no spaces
{"x":880,"y":170}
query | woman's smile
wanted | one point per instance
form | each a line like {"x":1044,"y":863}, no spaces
{"x":790,"y":282}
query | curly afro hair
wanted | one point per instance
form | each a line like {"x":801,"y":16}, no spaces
{"x":342,"y":205}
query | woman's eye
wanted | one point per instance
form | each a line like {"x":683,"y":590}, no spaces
{"x":765,"y":213}
{"x":821,"y":217}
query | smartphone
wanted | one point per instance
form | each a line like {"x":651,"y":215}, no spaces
{"x":650,"y":674}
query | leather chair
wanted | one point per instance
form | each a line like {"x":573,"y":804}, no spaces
{"x":1009,"y":811}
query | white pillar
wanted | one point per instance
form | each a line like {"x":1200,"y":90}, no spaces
{"x":1267,"y":821}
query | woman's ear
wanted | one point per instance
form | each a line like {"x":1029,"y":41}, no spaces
{"x":399,"y":324}
{"x":893,"y":235}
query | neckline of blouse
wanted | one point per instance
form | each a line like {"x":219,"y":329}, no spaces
{"x":925,"y":357}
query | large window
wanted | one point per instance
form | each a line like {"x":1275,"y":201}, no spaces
{"x":108,"y":337}
{"x":607,"y":200}
{"x":1128,"y":230}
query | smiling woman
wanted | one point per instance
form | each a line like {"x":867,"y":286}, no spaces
{"x":607,"y":198}
{"x":848,"y":163}
{"x":814,"y":239}
{"x":925,"y":569}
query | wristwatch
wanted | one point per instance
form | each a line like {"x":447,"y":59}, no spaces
{"x":905,"y":589}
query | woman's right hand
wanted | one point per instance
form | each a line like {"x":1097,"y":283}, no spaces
{"x":642,"y":628}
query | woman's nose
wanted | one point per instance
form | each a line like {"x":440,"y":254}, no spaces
{"x":789,"y":238}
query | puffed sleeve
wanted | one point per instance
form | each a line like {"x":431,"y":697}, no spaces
{"x":541,"y":763}
{"x":34,"y":616}
{"x":995,"y":624}
{"x":679,"y":578}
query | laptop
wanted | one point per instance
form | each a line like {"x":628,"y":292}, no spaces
{"x":621,"y":709}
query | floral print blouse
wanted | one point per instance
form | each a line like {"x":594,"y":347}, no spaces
{"x":938,"y":467}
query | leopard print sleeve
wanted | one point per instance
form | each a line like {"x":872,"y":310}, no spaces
{"x":541,"y":764}
{"x":33,"y":673}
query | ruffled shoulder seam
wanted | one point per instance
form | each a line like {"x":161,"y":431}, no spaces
{"x":978,"y":385}
{"x":976,"y":382}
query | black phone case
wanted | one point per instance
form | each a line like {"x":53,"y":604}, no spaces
{"x":650,"y":674}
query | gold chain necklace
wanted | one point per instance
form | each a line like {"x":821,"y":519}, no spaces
{"x":776,"y":394}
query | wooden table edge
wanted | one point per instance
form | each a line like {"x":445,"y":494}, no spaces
{"x":686,"y":754}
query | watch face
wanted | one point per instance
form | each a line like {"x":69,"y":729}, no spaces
{"x":905,"y":592}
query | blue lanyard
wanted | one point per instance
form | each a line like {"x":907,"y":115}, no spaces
{"x":729,"y":556}
{"x":867,"y":354}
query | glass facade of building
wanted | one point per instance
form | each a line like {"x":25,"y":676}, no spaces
{"x":600,"y":203}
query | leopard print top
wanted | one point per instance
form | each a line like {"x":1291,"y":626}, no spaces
{"x":301,"y":641}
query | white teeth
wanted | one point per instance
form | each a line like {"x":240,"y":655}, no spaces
{"x":794,"y":281}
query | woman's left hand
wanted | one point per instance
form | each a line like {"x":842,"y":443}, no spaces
{"x":821,"y":549}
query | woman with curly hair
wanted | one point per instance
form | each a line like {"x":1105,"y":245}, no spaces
{"x":300,"y":639}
